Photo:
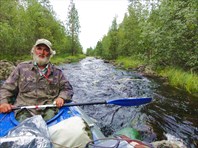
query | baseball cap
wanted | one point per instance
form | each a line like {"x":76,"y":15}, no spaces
{"x":47,"y":43}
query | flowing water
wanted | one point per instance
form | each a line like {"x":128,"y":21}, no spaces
{"x":170,"y":112}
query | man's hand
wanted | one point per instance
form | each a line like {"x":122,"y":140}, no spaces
{"x":5,"y":108}
{"x":59,"y":102}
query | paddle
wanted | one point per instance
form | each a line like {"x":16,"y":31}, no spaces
{"x":120,"y":102}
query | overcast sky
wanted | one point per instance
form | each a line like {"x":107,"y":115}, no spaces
{"x":95,"y":17}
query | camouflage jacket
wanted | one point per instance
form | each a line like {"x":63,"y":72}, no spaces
{"x":31,"y":88}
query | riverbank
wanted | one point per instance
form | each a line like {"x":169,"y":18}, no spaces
{"x":56,"y":60}
{"x":178,"y":78}
{"x":6,"y":67}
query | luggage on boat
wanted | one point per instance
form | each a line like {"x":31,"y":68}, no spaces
{"x":32,"y":132}
{"x":69,"y":133}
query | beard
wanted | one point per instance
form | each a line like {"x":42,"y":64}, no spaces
{"x":41,"y":61}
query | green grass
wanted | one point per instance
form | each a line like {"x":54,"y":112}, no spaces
{"x":14,"y":59}
{"x":181,"y":79}
{"x":58,"y":59}
{"x":129,"y":62}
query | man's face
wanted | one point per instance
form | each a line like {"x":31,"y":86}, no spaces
{"x":41,"y":54}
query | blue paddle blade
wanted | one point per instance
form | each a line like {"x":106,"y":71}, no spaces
{"x":129,"y":101}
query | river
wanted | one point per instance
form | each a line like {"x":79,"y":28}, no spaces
{"x":171,"y":112}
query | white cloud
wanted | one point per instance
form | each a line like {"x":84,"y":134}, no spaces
{"x":95,"y":17}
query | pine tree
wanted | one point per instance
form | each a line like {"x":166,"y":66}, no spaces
{"x":73,"y":27}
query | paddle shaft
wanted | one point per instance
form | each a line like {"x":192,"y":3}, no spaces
{"x":53,"y":105}
{"x":120,"y":102}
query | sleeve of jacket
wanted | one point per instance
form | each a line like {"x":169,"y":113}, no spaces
{"x":10,"y":87}
{"x":66,"y":89}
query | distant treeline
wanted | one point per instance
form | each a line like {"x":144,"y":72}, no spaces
{"x":23,"y":22}
{"x":162,"y":33}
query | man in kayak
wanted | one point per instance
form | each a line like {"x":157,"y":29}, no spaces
{"x":36,"y":82}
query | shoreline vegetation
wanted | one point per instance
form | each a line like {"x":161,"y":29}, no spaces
{"x":176,"y":77}
{"x":59,"y":59}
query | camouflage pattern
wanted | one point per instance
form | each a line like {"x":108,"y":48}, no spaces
{"x":31,"y":88}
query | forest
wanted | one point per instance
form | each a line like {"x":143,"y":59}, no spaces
{"x":164,"y":33}
{"x":22,"y":22}
{"x":159,"y":33}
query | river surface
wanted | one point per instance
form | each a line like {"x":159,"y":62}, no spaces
{"x":171,"y":112}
